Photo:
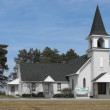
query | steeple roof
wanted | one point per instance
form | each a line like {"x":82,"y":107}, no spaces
{"x":98,"y":26}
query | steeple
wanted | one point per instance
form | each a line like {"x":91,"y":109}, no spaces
{"x":98,"y":26}
{"x":98,"y":39}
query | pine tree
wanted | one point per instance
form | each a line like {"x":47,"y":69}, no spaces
{"x":3,"y":65}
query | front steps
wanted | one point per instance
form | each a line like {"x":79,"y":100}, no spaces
{"x":103,"y":97}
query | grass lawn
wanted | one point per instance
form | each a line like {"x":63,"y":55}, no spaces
{"x":6,"y":96}
{"x":70,"y":105}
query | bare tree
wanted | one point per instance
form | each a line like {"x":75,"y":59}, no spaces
{"x":31,"y":86}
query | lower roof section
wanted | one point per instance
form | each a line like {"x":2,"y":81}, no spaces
{"x":103,"y":77}
{"x":14,"y":82}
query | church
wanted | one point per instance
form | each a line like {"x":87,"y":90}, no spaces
{"x":87,"y":75}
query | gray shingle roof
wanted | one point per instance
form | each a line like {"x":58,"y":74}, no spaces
{"x":98,"y":26}
{"x":99,"y":76}
{"x":78,"y":62}
{"x":40,"y":71}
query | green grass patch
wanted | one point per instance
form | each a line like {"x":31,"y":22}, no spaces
{"x":7,"y":96}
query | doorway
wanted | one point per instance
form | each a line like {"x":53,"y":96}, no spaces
{"x":12,"y":90}
{"x":101,"y":88}
{"x":48,"y":89}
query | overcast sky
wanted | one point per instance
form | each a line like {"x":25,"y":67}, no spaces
{"x":60,"y":24}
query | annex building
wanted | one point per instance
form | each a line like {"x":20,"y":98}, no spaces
{"x":88,"y":75}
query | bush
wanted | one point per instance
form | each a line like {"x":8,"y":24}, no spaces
{"x":26,"y":95}
{"x":69,"y":95}
{"x":66,"y":91}
{"x":40,"y":94}
{"x":17,"y":95}
{"x":34,"y":95}
{"x":63,"y":95}
{"x":58,"y":95}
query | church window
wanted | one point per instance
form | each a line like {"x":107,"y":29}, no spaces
{"x":72,"y":84}
{"x":100,"y":43}
{"x":33,"y":87}
{"x":58,"y":86}
{"x":84,"y":82}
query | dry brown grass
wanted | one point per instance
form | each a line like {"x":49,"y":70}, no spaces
{"x":75,"y":105}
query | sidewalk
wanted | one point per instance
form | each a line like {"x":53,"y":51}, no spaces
{"x":54,"y":99}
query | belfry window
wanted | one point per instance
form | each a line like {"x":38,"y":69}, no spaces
{"x":90,"y":43}
{"x":100,"y":43}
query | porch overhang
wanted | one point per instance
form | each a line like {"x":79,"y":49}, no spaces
{"x":103,"y":78}
{"x":14,"y":82}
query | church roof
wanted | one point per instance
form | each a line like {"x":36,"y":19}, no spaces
{"x":40,"y":71}
{"x":58,"y":72}
{"x":78,"y":62}
{"x":98,"y":26}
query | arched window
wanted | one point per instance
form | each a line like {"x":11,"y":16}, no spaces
{"x":100,"y":43}
{"x":84,"y":82}
{"x":72,"y":84}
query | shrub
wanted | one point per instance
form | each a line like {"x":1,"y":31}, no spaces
{"x":58,"y":95}
{"x":63,"y":95}
{"x":66,"y":91}
{"x":69,"y":95}
{"x":17,"y":95}
{"x":26,"y":95}
{"x":40,"y":94}
{"x":34,"y":95}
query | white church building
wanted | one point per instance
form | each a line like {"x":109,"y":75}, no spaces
{"x":87,"y":75}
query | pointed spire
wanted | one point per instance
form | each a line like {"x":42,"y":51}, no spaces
{"x":98,"y":26}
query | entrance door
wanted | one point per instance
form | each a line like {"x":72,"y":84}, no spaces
{"x":12,"y":90}
{"x":47,"y":89}
{"x":101,"y":88}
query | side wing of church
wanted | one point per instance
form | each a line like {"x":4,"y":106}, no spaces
{"x":88,"y":75}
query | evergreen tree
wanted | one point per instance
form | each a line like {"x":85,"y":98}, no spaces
{"x":31,"y":56}
{"x":47,"y":56}
{"x":3,"y":65}
{"x":36,"y":55}
{"x":22,"y":56}
{"x":71,"y":55}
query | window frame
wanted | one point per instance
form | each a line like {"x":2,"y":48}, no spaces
{"x":33,"y":87}
{"x":72,"y":84}
{"x":84,"y":82}
{"x":100,"y":43}
{"x":58,"y":86}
